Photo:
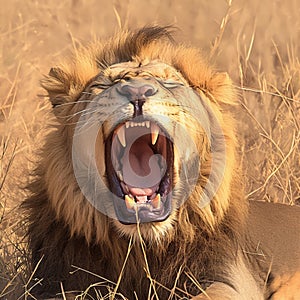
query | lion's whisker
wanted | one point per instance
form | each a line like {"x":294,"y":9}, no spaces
{"x":83,"y":112}
{"x":75,"y":102}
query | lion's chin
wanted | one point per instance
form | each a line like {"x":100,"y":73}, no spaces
{"x":153,"y":232}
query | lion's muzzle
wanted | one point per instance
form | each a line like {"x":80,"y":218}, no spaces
{"x":130,"y":143}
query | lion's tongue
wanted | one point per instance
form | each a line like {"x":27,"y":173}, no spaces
{"x":141,"y":170}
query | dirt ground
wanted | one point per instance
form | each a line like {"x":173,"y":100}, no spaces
{"x":256,"y":42}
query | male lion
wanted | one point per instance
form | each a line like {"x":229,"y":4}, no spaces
{"x":138,"y":191}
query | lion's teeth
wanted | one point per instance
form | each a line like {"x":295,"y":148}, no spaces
{"x":130,"y":124}
{"x":137,"y":124}
{"x":141,"y":199}
{"x":121,"y":136}
{"x":120,"y":175}
{"x":154,"y":133}
{"x":156,"y":201}
{"x":130,"y":203}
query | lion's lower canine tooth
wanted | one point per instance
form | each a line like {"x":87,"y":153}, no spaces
{"x":156,"y":201}
{"x":130,"y":203}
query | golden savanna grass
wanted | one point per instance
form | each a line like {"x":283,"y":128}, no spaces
{"x":256,"y":42}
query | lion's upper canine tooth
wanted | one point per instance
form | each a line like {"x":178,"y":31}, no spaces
{"x":121,"y":135}
{"x":154,"y":133}
{"x":130,"y":203}
{"x":156,"y":202}
{"x":147,"y":124}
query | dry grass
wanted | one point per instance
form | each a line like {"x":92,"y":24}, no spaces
{"x":256,"y":42}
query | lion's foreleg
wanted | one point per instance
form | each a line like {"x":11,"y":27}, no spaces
{"x":242,"y":285}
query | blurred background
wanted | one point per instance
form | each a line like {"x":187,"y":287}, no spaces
{"x":256,"y":42}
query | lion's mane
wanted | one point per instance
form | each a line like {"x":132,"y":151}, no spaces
{"x":63,"y":225}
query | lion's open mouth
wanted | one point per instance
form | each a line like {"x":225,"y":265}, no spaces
{"x":139,"y":164}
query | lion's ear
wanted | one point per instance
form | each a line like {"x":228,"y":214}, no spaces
{"x":57,"y":84}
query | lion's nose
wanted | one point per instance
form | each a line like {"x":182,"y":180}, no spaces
{"x":137,"y":95}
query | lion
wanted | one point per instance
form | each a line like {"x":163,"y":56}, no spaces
{"x":139,"y":194}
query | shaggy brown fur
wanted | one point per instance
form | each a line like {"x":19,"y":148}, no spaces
{"x":196,"y":247}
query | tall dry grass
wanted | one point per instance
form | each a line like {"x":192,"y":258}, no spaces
{"x":256,"y":42}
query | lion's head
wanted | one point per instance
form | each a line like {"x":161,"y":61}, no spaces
{"x":141,"y":139}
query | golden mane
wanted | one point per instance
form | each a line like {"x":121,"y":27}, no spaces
{"x":58,"y":202}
